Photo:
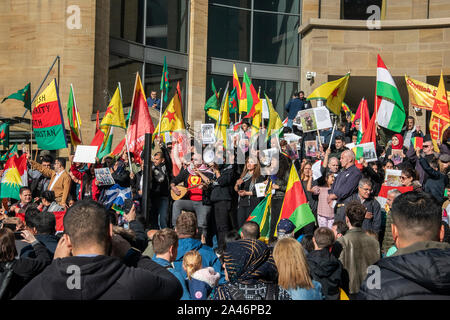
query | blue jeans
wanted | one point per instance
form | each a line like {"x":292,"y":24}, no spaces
{"x":290,"y":123}
{"x":158,"y":212}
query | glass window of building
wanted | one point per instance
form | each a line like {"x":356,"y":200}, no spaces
{"x":122,"y":70}
{"x":228,"y":33}
{"x":153,"y":80}
{"x":234,"y":3}
{"x":275,"y":38}
{"x":279,"y":91}
{"x":286,"y":6}
{"x":357,"y":9}
{"x":126,"y":19}
{"x":167,"y":24}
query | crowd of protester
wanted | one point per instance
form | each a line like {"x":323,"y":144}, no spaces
{"x":202,"y":246}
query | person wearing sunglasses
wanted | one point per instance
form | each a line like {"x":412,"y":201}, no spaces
{"x":408,"y":178}
{"x":427,"y":153}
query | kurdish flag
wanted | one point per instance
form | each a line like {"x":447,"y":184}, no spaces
{"x":347,"y":111}
{"x":47,"y":120}
{"x":114,"y":113}
{"x":417,"y":142}
{"x":391,"y":113}
{"x":14,"y":177}
{"x":295,"y":205}
{"x":74,"y":119}
{"x":333,"y":92}
{"x":261,"y":215}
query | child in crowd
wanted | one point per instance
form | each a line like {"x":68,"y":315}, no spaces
{"x":200,"y":281}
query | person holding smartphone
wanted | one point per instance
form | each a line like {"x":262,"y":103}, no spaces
{"x":21,"y":270}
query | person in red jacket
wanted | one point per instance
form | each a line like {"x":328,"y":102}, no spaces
{"x":88,"y":183}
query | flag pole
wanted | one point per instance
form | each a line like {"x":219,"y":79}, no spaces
{"x":42,"y":83}
{"x":262,"y":108}
{"x":131,"y":111}
{"x":160,"y":112}
{"x":126,"y":131}
{"x":221,"y":109}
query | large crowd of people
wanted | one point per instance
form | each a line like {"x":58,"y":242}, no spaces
{"x":205,"y":246}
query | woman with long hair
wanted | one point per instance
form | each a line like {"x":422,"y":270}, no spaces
{"x":245,"y":187}
{"x":293,"y":271}
{"x":279,"y":179}
{"x":18,"y":272}
{"x":408,"y":178}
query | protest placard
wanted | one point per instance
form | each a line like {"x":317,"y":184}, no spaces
{"x":85,"y":154}
{"x":103,"y":176}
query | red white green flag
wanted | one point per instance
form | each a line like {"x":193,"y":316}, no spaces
{"x":391,"y":112}
{"x":295,"y":205}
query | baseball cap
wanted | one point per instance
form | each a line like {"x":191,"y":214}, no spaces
{"x":285,"y":226}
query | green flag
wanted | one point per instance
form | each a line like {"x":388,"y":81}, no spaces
{"x":165,"y":85}
{"x":11,"y":152}
{"x":212,"y":107}
{"x":234,"y":104}
{"x":261,"y":215}
{"x":4,"y":134}
{"x":22,"y":95}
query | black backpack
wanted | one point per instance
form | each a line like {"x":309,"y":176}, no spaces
{"x":6,"y":274}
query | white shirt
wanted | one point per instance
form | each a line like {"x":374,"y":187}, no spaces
{"x":56,"y":179}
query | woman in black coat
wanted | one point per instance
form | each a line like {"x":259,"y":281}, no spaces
{"x":16,"y":273}
{"x":245,"y":187}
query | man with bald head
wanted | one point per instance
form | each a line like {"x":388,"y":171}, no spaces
{"x":346,"y":182}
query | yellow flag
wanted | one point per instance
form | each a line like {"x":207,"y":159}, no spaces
{"x":257,"y":118}
{"x":440,"y":118}
{"x":171,"y":119}
{"x":333,"y":92}
{"x":224,"y":120}
{"x":114,"y":113}
{"x":275,"y":123}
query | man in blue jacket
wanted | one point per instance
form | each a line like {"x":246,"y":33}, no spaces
{"x":296,"y":104}
{"x":186,"y":228}
{"x":165,"y":246}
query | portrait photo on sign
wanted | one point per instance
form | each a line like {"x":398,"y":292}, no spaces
{"x":311,"y":148}
{"x":208,"y":133}
{"x":397,"y":157}
{"x":392,"y":178}
{"x":307,"y":120}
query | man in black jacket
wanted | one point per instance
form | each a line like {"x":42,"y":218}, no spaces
{"x":84,"y":270}
{"x":420,"y":268}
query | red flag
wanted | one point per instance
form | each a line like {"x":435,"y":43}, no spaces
{"x":180,"y":147}
{"x":98,"y":139}
{"x":363,"y":114}
{"x":97,"y":122}
{"x":141,"y":122}
{"x":370,"y":132}
{"x":119,"y":147}
{"x":179,"y":94}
